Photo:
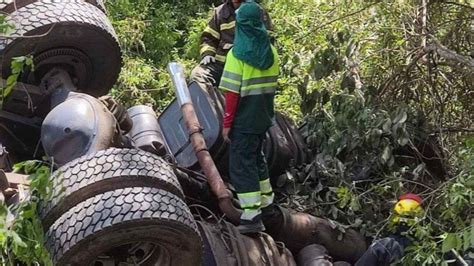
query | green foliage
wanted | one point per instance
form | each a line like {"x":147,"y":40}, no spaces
{"x":21,"y":232}
{"x":195,"y":29}
{"x":381,"y":115}
{"x":141,"y":82}
{"x":4,"y":25}
{"x":374,"y":103}
{"x":449,"y":227}
{"x":145,"y":29}
{"x":18,"y":65}
{"x":352,"y":130}
{"x":153,"y":33}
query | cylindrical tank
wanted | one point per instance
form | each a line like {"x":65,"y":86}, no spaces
{"x":146,"y":133}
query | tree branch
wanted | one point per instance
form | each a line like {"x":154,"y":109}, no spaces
{"x":458,"y":4}
{"x":347,"y":15}
{"x":453,"y":129}
{"x":423,"y":14}
{"x":449,"y":54}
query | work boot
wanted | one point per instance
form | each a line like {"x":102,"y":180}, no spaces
{"x":269,"y":212}
{"x":249,"y":228}
{"x":273,"y":219}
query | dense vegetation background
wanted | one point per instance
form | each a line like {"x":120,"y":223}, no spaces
{"x":383,"y":91}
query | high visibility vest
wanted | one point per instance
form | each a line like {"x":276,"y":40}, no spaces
{"x":256,"y":87}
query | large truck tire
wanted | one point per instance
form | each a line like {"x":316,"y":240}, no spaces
{"x":10,"y":6}
{"x":108,"y":223}
{"x":73,"y":34}
{"x":103,"y":171}
{"x":297,"y":145}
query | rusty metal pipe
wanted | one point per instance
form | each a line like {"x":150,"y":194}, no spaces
{"x":199,"y":145}
{"x":297,"y":230}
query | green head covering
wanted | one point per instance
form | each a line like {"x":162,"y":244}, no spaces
{"x":251,"y":41}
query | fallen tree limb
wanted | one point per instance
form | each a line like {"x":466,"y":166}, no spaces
{"x":453,"y":129}
{"x":459,"y":4}
{"x":449,"y":54}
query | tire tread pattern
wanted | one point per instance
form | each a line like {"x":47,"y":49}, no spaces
{"x":10,"y":6}
{"x":114,"y":208}
{"x":136,"y":167}
{"x":50,"y":12}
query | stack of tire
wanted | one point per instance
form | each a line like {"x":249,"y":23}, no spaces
{"x":106,"y":204}
{"x":116,"y":205}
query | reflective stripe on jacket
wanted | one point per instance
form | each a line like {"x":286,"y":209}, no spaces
{"x":256,"y":87}
{"x":218,"y":37}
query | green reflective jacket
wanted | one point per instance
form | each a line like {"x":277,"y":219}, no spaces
{"x":256,"y":87}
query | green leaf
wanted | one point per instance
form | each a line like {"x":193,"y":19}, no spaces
{"x":17,"y":64}
{"x":11,"y":80}
{"x":387,"y":153}
{"x":403,"y":141}
{"x":354,"y":205}
{"x":451,"y":241}
{"x":387,"y":125}
{"x":29,"y":61}
{"x":470,"y":142}
{"x":7,"y":91}
{"x":401,"y":118}
{"x":468,"y":237}
{"x":29,"y":213}
{"x":17,"y":239}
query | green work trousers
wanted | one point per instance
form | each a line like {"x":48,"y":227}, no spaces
{"x":249,"y":174}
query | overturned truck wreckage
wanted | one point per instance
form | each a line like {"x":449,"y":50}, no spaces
{"x":131,"y":187}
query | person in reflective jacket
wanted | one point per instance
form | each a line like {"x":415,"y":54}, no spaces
{"x":249,"y":82}
{"x":216,"y":41}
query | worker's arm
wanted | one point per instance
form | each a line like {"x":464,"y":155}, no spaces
{"x":210,"y":37}
{"x":231,"y":83}
{"x":231,"y":103}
